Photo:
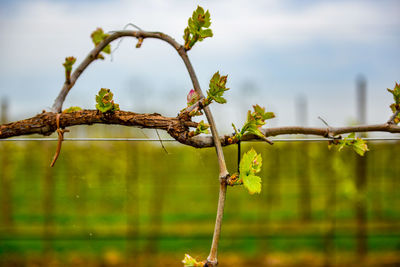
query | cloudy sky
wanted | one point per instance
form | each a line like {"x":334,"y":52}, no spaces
{"x":273,"y":51}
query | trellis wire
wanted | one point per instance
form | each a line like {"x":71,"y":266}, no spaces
{"x":89,"y":139}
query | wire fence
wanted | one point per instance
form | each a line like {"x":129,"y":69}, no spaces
{"x":90,"y":139}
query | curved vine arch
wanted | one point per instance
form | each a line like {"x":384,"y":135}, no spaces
{"x":140,"y":35}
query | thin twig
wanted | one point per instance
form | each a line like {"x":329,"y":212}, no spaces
{"x":93,"y":55}
{"x":391,"y":119}
{"x":60,"y":133}
{"x":161,"y":142}
{"x":120,"y":40}
{"x":324,"y":121}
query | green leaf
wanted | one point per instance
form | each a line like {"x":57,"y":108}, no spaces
{"x":259,"y":115}
{"x":245,"y":167}
{"x":360,"y":146}
{"x":207,"y":20}
{"x":217,"y":87}
{"x":256,"y":131}
{"x":250,"y":165}
{"x":205,"y":33}
{"x":255,"y":120}
{"x":105,"y":102}
{"x":252,"y":183}
{"x":396,"y":105}
{"x":396,"y":93}
{"x":97,"y":37}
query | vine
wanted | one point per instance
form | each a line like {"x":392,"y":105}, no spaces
{"x":183,"y":128}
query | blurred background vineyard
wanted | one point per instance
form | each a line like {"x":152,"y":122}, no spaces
{"x":130,"y":203}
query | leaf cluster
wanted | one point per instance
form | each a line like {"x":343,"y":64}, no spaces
{"x":198,"y":28}
{"x":97,"y":37}
{"x":396,"y":105}
{"x":105,"y":102}
{"x":216,"y":90}
{"x":255,"y":120}
{"x":188,"y":261}
{"x":358,"y":144}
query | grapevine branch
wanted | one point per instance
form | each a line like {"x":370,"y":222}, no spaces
{"x":178,"y":128}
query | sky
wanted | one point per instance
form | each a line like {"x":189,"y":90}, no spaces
{"x":274,"y":52}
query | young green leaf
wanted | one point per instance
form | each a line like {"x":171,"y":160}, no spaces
{"x":105,"y":102}
{"x":359,"y":145}
{"x":197,"y":29}
{"x":396,"y":105}
{"x":396,"y":93}
{"x":259,"y":115}
{"x":255,"y":120}
{"x":217,"y":88}
{"x":97,"y":36}
{"x":250,"y":165}
{"x":188,"y":261}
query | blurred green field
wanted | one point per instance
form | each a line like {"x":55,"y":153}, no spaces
{"x":112,"y":203}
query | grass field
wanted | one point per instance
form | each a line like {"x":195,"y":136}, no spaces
{"x":122,"y":202}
